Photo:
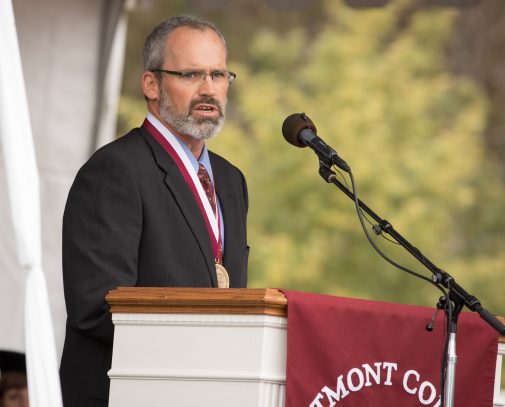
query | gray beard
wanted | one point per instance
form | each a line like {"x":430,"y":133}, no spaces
{"x":186,"y":124}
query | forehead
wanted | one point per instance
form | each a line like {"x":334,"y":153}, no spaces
{"x":188,"y":47}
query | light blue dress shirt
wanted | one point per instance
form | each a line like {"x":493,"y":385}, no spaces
{"x":205,"y":161}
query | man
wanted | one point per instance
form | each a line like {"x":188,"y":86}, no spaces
{"x":13,"y":382}
{"x":143,"y":212}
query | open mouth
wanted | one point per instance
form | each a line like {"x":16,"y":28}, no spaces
{"x":206,"y":108}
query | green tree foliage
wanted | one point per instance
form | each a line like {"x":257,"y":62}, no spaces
{"x":412,"y":135}
{"x":411,"y":132}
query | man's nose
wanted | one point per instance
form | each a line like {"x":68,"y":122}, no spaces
{"x":207,"y":86}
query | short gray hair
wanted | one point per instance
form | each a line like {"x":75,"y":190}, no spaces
{"x":154,"y":47}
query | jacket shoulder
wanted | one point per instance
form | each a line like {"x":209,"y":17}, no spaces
{"x":127,"y":144}
{"x":222,"y":164}
{"x":127,"y":150}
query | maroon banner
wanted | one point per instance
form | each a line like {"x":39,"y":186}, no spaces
{"x":350,"y":352}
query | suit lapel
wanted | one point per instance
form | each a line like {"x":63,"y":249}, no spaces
{"x":185,"y":199}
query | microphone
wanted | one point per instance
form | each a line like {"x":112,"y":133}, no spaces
{"x":300,"y":131}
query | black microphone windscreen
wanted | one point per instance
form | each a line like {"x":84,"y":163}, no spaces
{"x":293,"y":125}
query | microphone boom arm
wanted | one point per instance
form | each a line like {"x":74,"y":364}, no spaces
{"x":457,"y":294}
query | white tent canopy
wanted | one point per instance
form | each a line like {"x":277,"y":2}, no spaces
{"x":71,"y":55}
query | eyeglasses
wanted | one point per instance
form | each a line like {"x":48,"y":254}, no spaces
{"x":192,"y":77}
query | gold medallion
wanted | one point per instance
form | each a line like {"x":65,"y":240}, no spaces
{"x":223,"y":280}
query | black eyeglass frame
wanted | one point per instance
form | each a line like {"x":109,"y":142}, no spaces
{"x":231,"y":75}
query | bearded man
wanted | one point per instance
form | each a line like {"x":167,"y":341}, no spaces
{"x":155,"y":207}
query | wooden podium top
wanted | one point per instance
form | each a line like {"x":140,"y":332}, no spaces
{"x":262,"y":301}
{"x":170,"y":300}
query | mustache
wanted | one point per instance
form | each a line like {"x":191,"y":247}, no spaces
{"x":208,"y":100}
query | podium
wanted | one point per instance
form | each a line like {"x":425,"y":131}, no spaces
{"x":190,"y":347}
{"x":204,"y":346}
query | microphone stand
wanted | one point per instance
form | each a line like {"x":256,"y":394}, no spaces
{"x":457,"y":296}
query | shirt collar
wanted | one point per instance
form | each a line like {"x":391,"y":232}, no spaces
{"x":204,"y":156}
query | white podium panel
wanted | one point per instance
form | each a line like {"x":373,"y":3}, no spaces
{"x":188,"y":360}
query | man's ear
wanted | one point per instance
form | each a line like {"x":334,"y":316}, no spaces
{"x":150,"y":85}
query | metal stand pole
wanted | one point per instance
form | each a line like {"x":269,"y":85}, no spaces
{"x":450,"y":377}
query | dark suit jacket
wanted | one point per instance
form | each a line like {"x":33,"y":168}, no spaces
{"x":131,"y":220}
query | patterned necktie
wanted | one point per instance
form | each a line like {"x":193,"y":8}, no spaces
{"x":204,"y":178}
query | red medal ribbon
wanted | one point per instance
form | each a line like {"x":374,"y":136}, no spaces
{"x":216,"y":244}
